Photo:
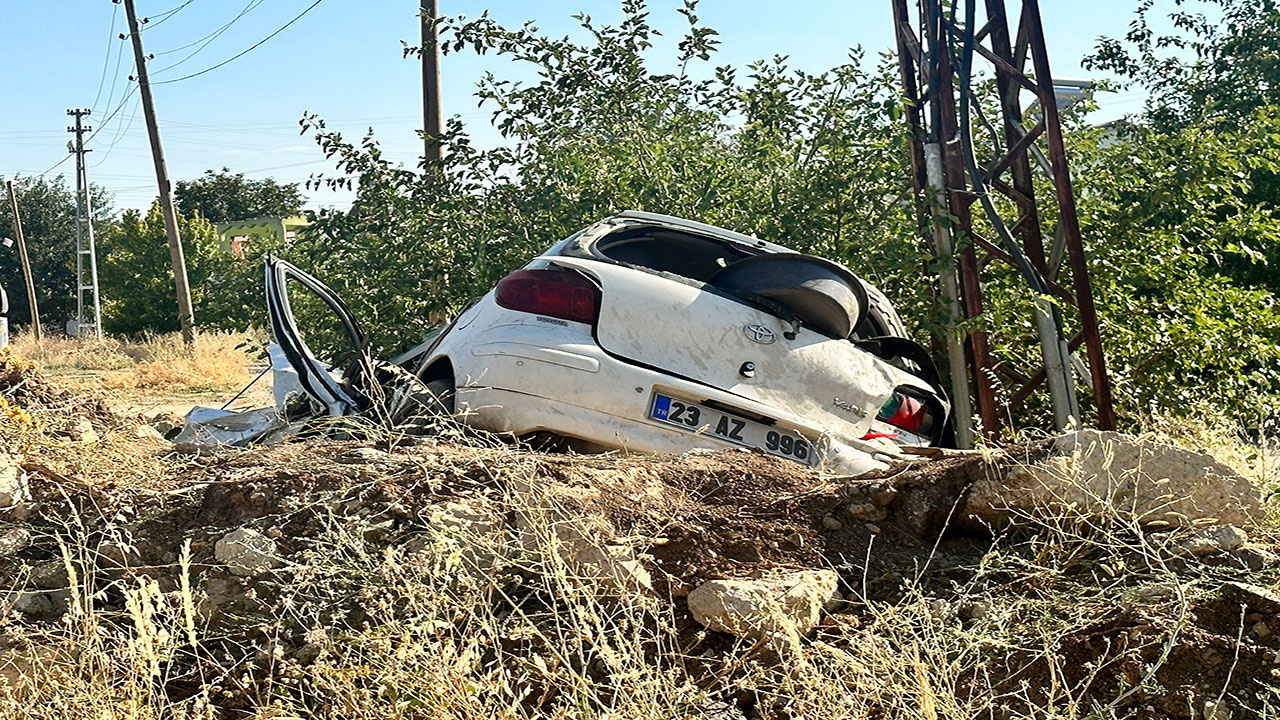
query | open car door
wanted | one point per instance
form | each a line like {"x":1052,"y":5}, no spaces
{"x":322,"y":383}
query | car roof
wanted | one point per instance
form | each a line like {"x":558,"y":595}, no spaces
{"x":697,"y":227}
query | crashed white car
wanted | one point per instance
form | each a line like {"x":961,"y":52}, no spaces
{"x":650,"y":333}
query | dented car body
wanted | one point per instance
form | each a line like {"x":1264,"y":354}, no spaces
{"x":650,"y":333}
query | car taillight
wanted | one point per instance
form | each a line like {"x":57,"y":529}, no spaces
{"x":557,"y":293}
{"x":907,"y":413}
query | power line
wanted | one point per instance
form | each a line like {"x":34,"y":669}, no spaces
{"x":106,"y":61}
{"x":114,"y":112}
{"x":116,"y":73}
{"x":253,"y":4}
{"x":166,"y":15}
{"x":246,"y":50}
{"x":55,"y":165}
{"x":123,"y":130}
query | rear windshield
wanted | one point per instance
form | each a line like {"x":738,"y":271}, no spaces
{"x":692,"y":256}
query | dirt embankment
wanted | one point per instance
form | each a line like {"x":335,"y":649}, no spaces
{"x":293,"y":544}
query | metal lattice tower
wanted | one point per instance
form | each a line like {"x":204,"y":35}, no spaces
{"x":938,"y":47}
{"x":88,"y":310}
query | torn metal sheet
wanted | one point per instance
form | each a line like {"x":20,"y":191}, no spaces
{"x":207,"y":427}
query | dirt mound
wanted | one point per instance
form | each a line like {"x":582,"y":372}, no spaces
{"x":24,"y":386}
{"x":285,"y":571}
{"x":1067,"y":614}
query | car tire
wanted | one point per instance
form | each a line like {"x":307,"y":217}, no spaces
{"x":882,"y":320}
{"x":426,"y":406}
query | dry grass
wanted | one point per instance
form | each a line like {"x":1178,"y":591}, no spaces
{"x":497,"y":617}
{"x":218,"y":361}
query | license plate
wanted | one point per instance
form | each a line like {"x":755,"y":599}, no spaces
{"x":698,"y":418}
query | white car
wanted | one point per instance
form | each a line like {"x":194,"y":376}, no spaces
{"x":650,"y":333}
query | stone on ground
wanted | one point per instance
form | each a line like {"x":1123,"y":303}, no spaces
{"x":1212,"y":540}
{"x":1097,"y":474}
{"x":780,"y":606}
{"x":13,"y":481}
{"x":247,"y":552}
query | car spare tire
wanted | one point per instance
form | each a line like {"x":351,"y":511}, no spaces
{"x":882,"y":319}
{"x":822,"y":294}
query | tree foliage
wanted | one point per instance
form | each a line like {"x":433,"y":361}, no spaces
{"x":1218,"y":64}
{"x":812,"y":161}
{"x":47,"y":208}
{"x":1180,"y":218}
{"x":222,"y":196}
{"x":138,"y":293}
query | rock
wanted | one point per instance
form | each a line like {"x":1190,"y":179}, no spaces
{"x":308,"y":653}
{"x":82,"y":431}
{"x":1096,"y":474}
{"x":866,"y":511}
{"x":1254,"y":597}
{"x":166,"y":423}
{"x":1255,"y":558}
{"x":146,"y":432}
{"x":1212,"y":540}
{"x":614,"y":563}
{"x":873,"y":529}
{"x":225,"y":596}
{"x":35,"y":605}
{"x":831,"y":523}
{"x":247,"y":552}
{"x":1215,"y":710}
{"x":469,"y":532}
{"x":880,"y":494}
{"x":362,"y":456}
{"x":1260,"y":630}
{"x":975,"y":610}
{"x":1159,"y":593}
{"x":13,"y":481}
{"x":51,"y":575}
{"x":780,"y":606}
{"x":14,"y":540}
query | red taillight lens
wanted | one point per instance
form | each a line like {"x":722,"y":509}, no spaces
{"x":557,"y":293}
{"x":905,"y":412}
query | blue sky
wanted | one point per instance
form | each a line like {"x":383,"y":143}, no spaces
{"x":343,"y":61}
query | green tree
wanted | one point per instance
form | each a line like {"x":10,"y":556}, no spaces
{"x":137,"y":281}
{"x":48,"y":211}
{"x":1207,"y":69}
{"x":600,"y":133}
{"x":222,"y":196}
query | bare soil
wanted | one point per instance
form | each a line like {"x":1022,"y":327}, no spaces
{"x":697,"y":517}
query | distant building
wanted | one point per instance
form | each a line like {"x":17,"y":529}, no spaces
{"x":238,"y":236}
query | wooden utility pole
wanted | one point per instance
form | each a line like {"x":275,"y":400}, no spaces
{"x":26,"y":264}
{"x":430,"y":81}
{"x":179,"y":263}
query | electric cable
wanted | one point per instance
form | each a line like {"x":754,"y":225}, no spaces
{"x":106,"y":61}
{"x":246,"y":50}
{"x":120,"y":133}
{"x":55,"y":165}
{"x":207,"y":39}
{"x":166,"y":15}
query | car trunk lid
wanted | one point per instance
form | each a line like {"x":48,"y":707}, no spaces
{"x":695,"y":332}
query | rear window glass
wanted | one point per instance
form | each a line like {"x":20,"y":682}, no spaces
{"x":692,"y":256}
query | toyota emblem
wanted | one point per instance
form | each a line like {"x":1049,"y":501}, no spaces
{"x":759,"y":333}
